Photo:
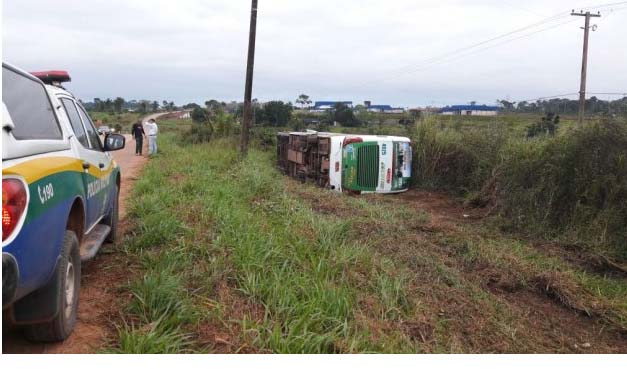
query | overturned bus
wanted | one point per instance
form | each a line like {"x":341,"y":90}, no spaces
{"x":346,"y":162}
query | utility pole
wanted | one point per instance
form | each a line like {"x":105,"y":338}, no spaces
{"x":584,"y":60}
{"x":243,"y":145}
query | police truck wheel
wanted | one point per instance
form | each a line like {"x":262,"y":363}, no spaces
{"x":68,"y":279}
{"x":112,"y":219}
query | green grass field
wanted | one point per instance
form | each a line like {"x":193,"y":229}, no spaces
{"x":230,"y":256}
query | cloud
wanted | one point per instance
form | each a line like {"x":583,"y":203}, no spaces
{"x":372,"y":49}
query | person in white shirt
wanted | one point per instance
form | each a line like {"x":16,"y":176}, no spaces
{"x":151,"y":132}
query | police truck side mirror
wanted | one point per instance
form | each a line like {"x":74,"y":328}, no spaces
{"x":114,"y":141}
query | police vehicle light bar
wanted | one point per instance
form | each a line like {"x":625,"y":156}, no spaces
{"x":53,"y":77}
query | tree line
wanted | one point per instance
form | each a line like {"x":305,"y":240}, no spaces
{"x":593,"y":105}
{"x":120,"y":105}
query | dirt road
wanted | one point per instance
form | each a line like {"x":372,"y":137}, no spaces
{"x":101,"y":281}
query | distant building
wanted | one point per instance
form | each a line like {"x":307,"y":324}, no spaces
{"x":321,"y":106}
{"x":469,"y":110}
{"x":384,"y":109}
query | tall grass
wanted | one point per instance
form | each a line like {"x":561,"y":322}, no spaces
{"x":455,"y":161}
{"x":572,"y":187}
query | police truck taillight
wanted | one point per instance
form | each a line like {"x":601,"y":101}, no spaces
{"x":14,"y":200}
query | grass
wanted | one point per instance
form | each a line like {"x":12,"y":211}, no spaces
{"x":234,"y":257}
{"x":150,"y":339}
{"x":199,"y":206}
{"x":570,"y":188}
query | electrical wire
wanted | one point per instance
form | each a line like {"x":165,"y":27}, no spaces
{"x":572,"y":94}
{"x":546,"y":97}
{"x":497,"y":44}
{"x":412,"y":68}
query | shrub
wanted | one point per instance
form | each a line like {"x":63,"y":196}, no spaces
{"x":547,"y":126}
{"x":296,"y":124}
{"x":224,"y":124}
{"x":573,"y":187}
{"x":199,"y":115}
{"x":264,"y":137}
{"x":448,"y":160}
{"x":199,"y":133}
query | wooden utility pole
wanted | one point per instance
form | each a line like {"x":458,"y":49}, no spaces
{"x":248,"y":109}
{"x":584,"y":61}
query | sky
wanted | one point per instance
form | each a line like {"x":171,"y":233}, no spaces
{"x":400,"y":52}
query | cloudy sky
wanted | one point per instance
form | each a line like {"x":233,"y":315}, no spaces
{"x":399,"y":52}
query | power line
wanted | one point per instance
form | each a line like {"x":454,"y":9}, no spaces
{"x":608,"y":93}
{"x":411,"y":68}
{"x":571,"y":94}
{"x":500,"y":43}
{"x":546,"y":97}
{"x":456,"y":51}
{"x":452,"y":58}
{"x":611,"y":11}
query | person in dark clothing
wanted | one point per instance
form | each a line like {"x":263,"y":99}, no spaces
{"x":138,"y":136}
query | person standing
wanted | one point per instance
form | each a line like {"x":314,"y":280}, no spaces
{"x":138,"y":135}
{"x":152,"y":130}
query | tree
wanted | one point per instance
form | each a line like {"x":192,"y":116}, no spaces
{"x":342,"y":114}
{"x":98,"y":105}
{"x":118,"y":104}
{"x":223,"y":123}
{"x":108,"y":105}
{"x":303,"y":100}
{"x":213,"y":106}
{"x":275,"y":113}
{"x":154,"y":106}
{"x":199,"y":115}
{"x":507,"y":105}
{"x":190,"y":106}
{"x":143,"y":106}
{"x":164,"y":103}
{"x":171,"y":106}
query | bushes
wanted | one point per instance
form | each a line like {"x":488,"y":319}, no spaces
{"x":452,"y":161}
{"x":199,"y":133}
{"x":572,"y":187}
{"x":264,"y":137}
{"x":203,"y":126}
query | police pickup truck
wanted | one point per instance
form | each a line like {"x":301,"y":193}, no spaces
{"x":60,"y":190}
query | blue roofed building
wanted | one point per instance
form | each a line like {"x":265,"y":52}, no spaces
{"x":384,"y":109}
{"x":328,"y":105}
{"x":470,"y":110}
